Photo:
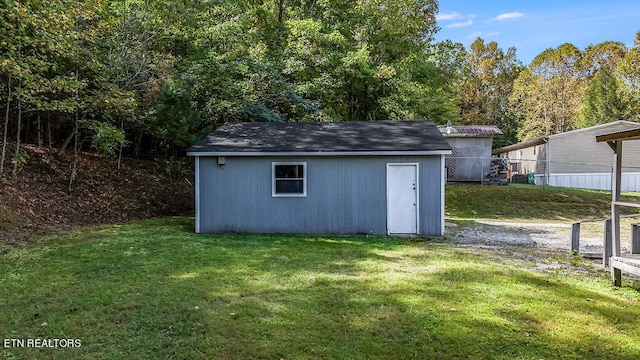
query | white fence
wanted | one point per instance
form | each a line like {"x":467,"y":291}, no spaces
{"x":595,"y":181}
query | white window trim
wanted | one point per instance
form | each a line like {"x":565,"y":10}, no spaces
{"x":304,"y":178}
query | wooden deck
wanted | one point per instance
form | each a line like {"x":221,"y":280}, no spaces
{"x":629,"y":263}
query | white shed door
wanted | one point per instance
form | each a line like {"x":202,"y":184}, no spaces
{"x":402,"y":198}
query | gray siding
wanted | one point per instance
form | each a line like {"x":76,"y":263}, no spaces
{"x":578,"y":152}
{"x":530,"y":159}
{"x":345,"y":195}
{"x":471,"y":158}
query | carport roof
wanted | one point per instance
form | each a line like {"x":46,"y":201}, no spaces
{"x":629,"y":134}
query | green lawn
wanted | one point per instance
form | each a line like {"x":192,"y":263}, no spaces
{"x":155,"y":290}
{"x":529,"y":202}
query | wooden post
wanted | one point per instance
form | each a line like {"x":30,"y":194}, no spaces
{"x":616,"y":276}
{"x":635,"y":238}
{"x":615,"y":197}
{"x":575,"y":237}
{"x":606,"y":253}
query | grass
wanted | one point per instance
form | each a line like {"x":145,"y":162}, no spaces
{"x":154,"y":289}
{"x":529,"y":202}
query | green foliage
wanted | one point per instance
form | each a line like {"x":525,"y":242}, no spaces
{"x":604,"y":56}
{"x":603,"y":101}
{"x":575,"y":258}
{"x":628,"y":71}
{"x":345,"y":62}
{"x":178,"y":69}
{"x":260,"y":113}
{"x":175,"y":118}
{"x":106,"y":138}
{"x":20,"y":158}
{"x":485,"y":87}
{"x":547,"y":97}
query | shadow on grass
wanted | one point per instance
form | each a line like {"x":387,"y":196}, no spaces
{"x":156,"y":289}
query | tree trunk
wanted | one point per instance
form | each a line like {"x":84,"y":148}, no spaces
{"x":49,"y":131}
{"x":137,"y":143}
{"x":16,"y":157}
{"x":76,"y":149}
{"x":280,"y":11}
{"x":6,"y":126}
{"x":121,"y":146}
{"x":66,"y":142}
{"x":39,"y":122}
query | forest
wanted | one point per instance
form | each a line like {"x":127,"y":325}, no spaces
{"x":148,"y":78}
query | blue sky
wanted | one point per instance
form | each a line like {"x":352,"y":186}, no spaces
{"x":533,"y":26}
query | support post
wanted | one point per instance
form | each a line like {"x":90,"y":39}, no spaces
{"x":616,"y":276}
{"x":606,"y":253}
{"x":615,"y":197}
{"x":575,"y":237}
{"x":635,"y":238}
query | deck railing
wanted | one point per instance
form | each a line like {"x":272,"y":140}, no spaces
{"x":607,"y":238}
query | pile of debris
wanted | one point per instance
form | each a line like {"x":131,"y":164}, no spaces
{"x":498,"y":172}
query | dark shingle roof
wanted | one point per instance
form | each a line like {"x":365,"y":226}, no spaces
{"x":469,"y":130}
{"x":346,"y":136}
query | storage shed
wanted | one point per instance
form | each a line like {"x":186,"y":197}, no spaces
{"x":383,"y":177}
{"x":574,"y":159}
{"x":470,"y":159}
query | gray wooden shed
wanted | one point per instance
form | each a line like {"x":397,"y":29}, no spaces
{"x":383,"y":177}
{"x":470,"y":160}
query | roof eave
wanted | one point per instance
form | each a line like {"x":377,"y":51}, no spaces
{"x":633,"y":134}
{"x":469,"y":135}
{"x":321,"y":153}
{"x":595,"y":127}
{"x":521,"y":145}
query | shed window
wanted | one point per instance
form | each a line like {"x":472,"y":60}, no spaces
{"x":289,"y":179}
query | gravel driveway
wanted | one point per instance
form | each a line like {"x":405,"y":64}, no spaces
{"x":555,"y":236}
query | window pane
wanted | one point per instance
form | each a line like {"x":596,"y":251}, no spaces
{"x":289,"y":171}
{"x":289,"y":187}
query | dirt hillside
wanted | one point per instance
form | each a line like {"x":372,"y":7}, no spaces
{"x":37,"y":199}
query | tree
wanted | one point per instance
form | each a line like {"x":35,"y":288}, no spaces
{"x":488,"y":82}
{"x":134,"y":71}
{"x":603,"y":101}
{"x":605,"y":55}
{"x":6,"y":128}
{"x":308,"y":60}
{"x":175,"y":118}
{"x":547,"y":97}
{"x":628,"y":72}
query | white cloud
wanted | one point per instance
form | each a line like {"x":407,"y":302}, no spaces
{"x":508,"y":16}
{"x":449,"y":16}
{"x":460,"y":24}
